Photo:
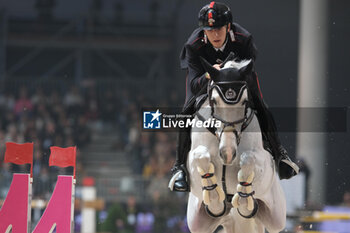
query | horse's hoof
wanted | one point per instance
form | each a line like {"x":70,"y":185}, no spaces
{"x":254,"y":211}
{"x":215,"y":215}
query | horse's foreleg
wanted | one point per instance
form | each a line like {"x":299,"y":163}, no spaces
{"x":209,"y":183}
{"x":213,"y":195}
{"x":243,"y":200}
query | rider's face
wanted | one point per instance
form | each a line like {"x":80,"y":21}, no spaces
{"x":217,"y":36}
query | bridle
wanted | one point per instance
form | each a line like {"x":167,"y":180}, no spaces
{"x":228,"y":125}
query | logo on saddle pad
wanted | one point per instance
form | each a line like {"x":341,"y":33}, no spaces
{"x":151,"y":120}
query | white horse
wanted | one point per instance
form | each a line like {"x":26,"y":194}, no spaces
{"x":232,"y":177}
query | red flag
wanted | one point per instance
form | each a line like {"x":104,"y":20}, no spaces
{"x":19,"y":153}
{"x":62,"y":157}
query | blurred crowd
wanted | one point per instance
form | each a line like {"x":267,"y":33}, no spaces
{"x":47,"y":119}
{"x":142,"y":217}
{"x":68,"y":117}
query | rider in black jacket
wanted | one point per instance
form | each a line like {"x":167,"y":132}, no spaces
{"x":216,"y":37}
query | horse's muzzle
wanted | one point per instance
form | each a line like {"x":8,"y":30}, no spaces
{"x":227,"y":155}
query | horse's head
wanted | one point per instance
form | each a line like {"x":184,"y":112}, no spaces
{"x":228,"y":98}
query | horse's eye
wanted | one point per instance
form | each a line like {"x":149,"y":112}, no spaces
{"x":213,"y":101}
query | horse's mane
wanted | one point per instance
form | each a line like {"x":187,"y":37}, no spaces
{"x":236,"y":64}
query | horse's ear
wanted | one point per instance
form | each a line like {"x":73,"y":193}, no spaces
{"x":214,"y":73}
{"x":248,"y":68}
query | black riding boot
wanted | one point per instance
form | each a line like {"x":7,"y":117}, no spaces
{"x":179,"y":181}
{"x":285,"y":166}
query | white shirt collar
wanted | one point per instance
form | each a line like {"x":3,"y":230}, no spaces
{"x":222,"y":47}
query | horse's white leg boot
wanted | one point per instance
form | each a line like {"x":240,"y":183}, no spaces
{"x":209,"y":177}
{"x":243,"y":200}
{"x":213,"y":195}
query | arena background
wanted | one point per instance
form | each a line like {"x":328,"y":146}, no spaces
{"x":88,"y":67}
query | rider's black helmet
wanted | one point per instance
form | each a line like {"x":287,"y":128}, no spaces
{"x":214,"y":15}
